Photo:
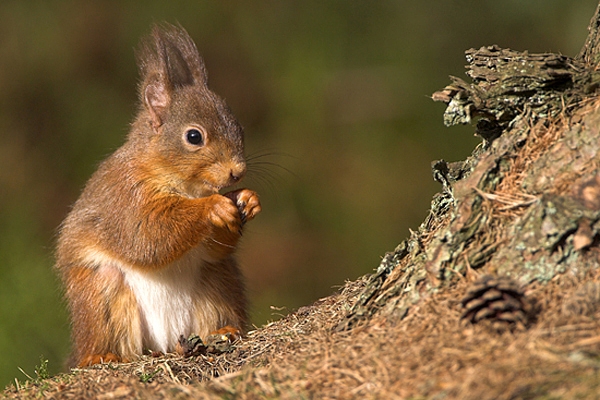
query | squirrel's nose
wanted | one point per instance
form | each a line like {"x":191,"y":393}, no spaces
{"x":236,"y":173}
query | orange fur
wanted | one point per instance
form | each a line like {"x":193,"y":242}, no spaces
{"x":146,"y":254}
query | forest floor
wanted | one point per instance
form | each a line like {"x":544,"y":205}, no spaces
{"x":428,"y":354}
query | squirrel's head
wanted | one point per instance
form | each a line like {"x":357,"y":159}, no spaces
{"x":195,"y":143}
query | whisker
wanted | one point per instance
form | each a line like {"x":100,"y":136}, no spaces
{"x":258,"y":160}
{"x":266,"y":172}
{"x":222,"y":244}
{"x":267,"y":153}
{"x":263,"y":182}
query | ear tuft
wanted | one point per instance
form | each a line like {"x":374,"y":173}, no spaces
{"x":185,"y":65}
{"x":178,"y":70}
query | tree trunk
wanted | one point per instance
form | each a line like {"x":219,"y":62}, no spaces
{"x":525,"y":206}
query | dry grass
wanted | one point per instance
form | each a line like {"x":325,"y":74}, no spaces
{"x":429,"y":353}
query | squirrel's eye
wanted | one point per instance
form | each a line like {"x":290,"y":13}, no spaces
{"x":194,"y":136}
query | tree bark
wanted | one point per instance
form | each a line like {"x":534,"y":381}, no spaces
{"x":590,"y":51}
{"x":525,"y":206}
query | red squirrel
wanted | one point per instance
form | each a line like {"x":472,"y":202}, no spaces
{"x":147,"y":252}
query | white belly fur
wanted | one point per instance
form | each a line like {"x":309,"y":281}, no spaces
{"x":167,"y":298}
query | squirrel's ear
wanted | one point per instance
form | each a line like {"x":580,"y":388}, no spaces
{"x":156,"y":100}
{"x":168,"y":61}
{"x":178,"y":71}
{"x":179,"y":56}
{"x":190,"y":66}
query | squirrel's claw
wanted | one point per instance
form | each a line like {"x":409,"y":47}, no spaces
{"x":247,"y":202}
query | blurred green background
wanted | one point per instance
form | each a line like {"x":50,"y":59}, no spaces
{"x":335,"y":92}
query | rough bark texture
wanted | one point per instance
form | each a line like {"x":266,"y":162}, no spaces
{"x":526,"y":204}
{"x":590,"y":51}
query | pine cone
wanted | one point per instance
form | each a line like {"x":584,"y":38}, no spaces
{"x":498,"y":300}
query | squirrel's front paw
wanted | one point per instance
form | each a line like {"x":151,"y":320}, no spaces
{"x":247,"y":202}
{"x":223,"y":214}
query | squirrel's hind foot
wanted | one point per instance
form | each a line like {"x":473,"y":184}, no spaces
{"x":93,"y":359}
